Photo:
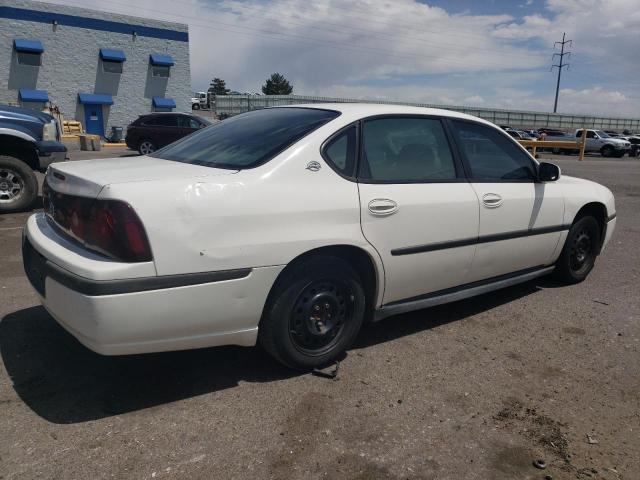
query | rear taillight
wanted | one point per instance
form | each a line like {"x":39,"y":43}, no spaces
{"x":110,"y":227}
{"x":114,"y":228}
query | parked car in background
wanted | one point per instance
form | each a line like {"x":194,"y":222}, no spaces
{"x":600,"y":141}
{"x":290,"y":226}
{"x":156,"y":130}
{"x":29,"y":141}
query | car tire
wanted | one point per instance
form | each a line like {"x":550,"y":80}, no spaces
{"x":18,"y":185}
{"x":580,"y":250}
{"x":619,"y":154}
{"x":606,"y":151}
{"x":195,"y":106}
{"x":146,"y":146}
{"x":313,"y":313}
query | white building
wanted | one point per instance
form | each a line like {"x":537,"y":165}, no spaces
{"x":99,"y":68}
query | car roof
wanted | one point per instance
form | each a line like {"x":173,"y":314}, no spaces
{"x":360,"y":110}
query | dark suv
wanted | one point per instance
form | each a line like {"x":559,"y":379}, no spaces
{"x":153,"y":131}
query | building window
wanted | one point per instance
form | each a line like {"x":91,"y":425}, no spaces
{"x":30,"y":59}
{"x":109,"y":66}
{"x":160,"y":65}
{"x":112,"y":60}
{"x":160,"y":71}
{"x":28,"y":52}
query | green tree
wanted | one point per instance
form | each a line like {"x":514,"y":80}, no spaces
{"x":277,"y":85}
{"x":218,"y":87}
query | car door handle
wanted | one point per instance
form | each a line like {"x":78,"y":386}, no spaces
{"x":491,"y":200}
{"x":382,"y":206}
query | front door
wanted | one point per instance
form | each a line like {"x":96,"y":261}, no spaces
{"x":521,"y":220}
{"x":417,"y":209}
{"x":93,"y":119}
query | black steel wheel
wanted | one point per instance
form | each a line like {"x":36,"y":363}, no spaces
{"x":313,"y":313}
{"x":580,"y":250}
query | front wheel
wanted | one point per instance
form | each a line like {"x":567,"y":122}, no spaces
{"x":607,"y":151}
{"x":580,"y":251}
{"x":314,"y":313}
{"x":18,"y":185}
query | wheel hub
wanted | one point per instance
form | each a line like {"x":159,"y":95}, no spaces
{"x":319,"y":314}
{"x":11,"y":185}
{"x":581,"y":250}
{"x":322,"y":314}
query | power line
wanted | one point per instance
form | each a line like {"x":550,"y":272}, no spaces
{"x":560,"y":66}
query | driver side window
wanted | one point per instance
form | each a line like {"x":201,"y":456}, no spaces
{"x":492,"y":156}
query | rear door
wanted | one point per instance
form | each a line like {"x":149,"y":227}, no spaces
{"x":521,"y":220}
{"x":167,"y":130}
{"x":417,"y":209}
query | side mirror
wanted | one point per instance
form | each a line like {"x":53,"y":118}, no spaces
{"x":548,"y":172}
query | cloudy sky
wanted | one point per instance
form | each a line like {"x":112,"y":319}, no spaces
{"x":485,"y":52}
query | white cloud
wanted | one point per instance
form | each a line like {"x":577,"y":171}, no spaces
{"x":408,"y":50}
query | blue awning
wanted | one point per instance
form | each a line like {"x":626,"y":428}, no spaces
{"x":160,"y":102}
{"x":161,"y":60}
{"x":112,"y":55}
{"x":30,"y":46}
{"x":99,"y":98}
{"x":27,"y":95}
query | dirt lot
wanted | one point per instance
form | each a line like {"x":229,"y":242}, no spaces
{"x":473,"y":390}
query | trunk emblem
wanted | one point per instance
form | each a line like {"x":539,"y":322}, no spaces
{"x":313,"y":166}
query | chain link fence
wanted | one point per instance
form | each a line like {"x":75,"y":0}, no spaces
{"x":228,"y":105}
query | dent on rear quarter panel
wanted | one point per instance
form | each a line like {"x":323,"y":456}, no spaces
{"x":258,"y":217}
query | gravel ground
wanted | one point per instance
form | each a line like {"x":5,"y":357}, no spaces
{"x":477,"y":389}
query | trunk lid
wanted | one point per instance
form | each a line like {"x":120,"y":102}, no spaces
{"x":87,"y":178}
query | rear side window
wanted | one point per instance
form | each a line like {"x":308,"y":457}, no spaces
{"x":406,"y":149}
{"x":247,"y":140}
{"x":340,"y":151}
{"x":166,"y":120}
{"x":490,"y":155}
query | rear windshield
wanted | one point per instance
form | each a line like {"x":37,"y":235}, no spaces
{"x":246,"y":140}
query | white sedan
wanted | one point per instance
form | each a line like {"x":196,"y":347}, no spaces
{"x":290,"y":226}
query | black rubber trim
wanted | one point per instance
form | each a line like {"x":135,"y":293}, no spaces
{"x":132,"y":285}
{"x":466,"y":286}
{"x":38,"y":267}
{"x":476,"y":240}
{"x":611,"y":217}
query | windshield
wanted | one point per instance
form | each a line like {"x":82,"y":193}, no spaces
{"x":247,"y":140}
{"x":602,"y":134}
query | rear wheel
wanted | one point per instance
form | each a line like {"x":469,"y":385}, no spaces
{"x":314,"y":313}
{"x":195,"y":106}
{"x":146,"y":147}
{"x":18,"y":185}
{"x":580,"y":251}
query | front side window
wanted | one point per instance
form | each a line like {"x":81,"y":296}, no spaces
{"x":109,"y":66}
{"x":160,"y":70}
{"x":247,"y":140}
{"x":406,"y":149}
{"x":340,"y":151}
{"x":490,"y":155}
{"x":29,"y":58}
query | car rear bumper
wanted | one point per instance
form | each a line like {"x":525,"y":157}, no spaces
{"x":221,"y":311}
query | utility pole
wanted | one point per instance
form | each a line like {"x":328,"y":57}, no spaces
{"x":560,"y":66}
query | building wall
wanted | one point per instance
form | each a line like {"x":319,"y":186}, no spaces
{"x":71,"y":63}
